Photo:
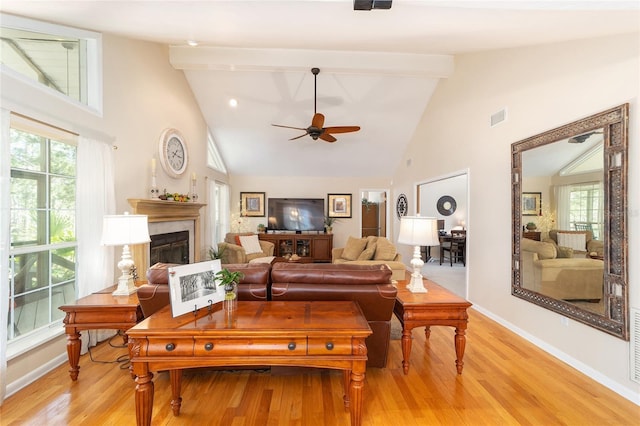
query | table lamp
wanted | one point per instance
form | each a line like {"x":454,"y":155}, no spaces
{"x":122,"y":230}
{"x":418,"y":231}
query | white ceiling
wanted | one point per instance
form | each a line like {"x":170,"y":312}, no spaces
{"x":378,"y":68}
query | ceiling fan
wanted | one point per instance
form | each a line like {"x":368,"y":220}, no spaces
{"x":316,"y":130}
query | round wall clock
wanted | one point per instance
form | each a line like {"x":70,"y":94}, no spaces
{"x":446,"y":205}
{"x":402,"y":206}
{"x":174,"y":157}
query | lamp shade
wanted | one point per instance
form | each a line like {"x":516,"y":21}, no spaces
{"x":119,"y":230}
{"x":418,"y":231}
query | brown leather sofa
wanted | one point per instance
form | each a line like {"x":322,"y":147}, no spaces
{"x":369,"y":285}
{"x":255,"y":285}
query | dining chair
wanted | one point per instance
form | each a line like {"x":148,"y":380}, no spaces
{"x":455,"y":245}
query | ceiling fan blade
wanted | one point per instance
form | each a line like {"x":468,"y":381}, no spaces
{"x":327,"y":137}
{"x":341,"y":129}
{"x":318,"y":121}
{"x":298,"y":137}
{"x":289,"y":127}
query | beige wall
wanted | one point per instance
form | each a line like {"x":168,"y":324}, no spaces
{"x":143,"y":95}
{"x":308,"y":187}
{"x":542,"y":87}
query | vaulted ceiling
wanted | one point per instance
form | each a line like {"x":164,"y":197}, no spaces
{"x":378,"y":68}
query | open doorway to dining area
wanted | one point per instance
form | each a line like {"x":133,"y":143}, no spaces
{"x":446,"y":199}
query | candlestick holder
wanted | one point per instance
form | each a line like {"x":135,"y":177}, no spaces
{"x":155,"y":192}
{"x":194,"y":194}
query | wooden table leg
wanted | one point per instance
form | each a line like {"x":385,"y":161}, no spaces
{"x":460,"y":343}
{"x":73,"y":352}
{"x":427,"y":332}
{"x":346,"y":382}
{"x":144,"y":399}
{"x":406,"y":349}
{"x":355,"y":392}
{"x":176,"y":386}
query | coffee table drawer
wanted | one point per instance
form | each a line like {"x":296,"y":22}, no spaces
{"x":242,"y":346}
{"x":327,"y":346}
{"x":170,"y":347}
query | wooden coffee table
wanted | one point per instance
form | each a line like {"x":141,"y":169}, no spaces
{"x":99,"y":310}
{"x":288,"y":333}
{"x":437,"y":307}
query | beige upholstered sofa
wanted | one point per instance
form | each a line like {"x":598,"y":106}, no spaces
{"x":584,"y":246}
{"x":566,"y":278}
{"x":233,"y":251}
{"x":371,"y":251}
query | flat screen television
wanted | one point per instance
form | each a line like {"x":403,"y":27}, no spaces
{"x":296,"y":214}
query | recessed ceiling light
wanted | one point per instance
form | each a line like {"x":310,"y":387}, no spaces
{"x":192,"y":43}
{"x":233,"y":103}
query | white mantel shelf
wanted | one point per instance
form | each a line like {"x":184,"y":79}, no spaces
{"x":164,"y":211}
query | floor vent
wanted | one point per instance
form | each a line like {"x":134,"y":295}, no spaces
{"x":635,"y":345}
{"x":498,"y":117}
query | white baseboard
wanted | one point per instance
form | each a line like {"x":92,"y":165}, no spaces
{"x":36,"y":374}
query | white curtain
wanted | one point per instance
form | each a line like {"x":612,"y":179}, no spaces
{"x":219,"y":217}
{"x":95,"y":197}
{"x":5,"y":241}
{"x":563,"y":196}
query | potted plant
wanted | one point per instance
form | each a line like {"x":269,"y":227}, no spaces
{"x":328,"y":223}
{"x":261,"y":227}
{"x":230,"y":281}
{"x":217,"y":253}
{"x":531,"y":226}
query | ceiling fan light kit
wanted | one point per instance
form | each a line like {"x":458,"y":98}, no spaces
{"x":371,"y":4}
{"x":316,"y":130}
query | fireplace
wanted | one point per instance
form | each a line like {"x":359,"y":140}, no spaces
{"x":167,"y":218}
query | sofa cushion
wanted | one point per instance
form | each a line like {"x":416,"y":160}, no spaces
{"x":367,"y":254}
{"x":354,"y":247}
{"x":250,"y":244}
{"x":565,"y":252}
{"x":385,"y":250}
{"x":543,"y":249}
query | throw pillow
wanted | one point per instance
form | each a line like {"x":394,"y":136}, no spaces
{"x":367,"y":254}
{"x":250,"y":244}
{"x":354,"y":247}
{"x":565,"y":252}
{"x":371,"y":241}
{"x":544,"y":250}
{"x":385,"y":250}
{"x":577,"y":241}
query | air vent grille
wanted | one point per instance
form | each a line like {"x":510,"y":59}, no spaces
{"x":498,"y":117}
{"x":635,"y":345}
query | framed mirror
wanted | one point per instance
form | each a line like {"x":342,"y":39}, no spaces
{"x":570,"y":253}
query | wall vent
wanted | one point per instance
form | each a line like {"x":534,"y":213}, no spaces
{"x":635,"y":345}
{"x":498,"y":117}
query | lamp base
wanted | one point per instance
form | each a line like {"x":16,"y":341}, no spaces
{"x":416,"y":285}
{"x":126,"y":287}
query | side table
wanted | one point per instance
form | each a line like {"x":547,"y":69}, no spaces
{"x":99,"y":310}
{"x":438,"y":306}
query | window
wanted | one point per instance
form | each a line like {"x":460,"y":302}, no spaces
{"x":42,"y":255}
{"x":214,"y":160}
{"x":63,"y":59}
{"x":586,"y":203}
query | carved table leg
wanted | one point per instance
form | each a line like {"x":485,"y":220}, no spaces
{"x":73,"y":352}
{"x":144,"y":399}
{"x":406,"y":349}
{"x":427,"y":332}
{"x":355,"y":391}
{"x":460,"y":342}
{"x":176,"y":386}
{"x":346,"y":379}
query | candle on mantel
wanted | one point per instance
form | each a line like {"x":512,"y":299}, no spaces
{"x":193,"y":177}
{"x":153,"y":166}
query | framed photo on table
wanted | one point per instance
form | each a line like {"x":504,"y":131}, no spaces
{"x":531,"y":203}
{"x":252,"y":204}
{"x":194,"y":286}
{"x":339,"y":205}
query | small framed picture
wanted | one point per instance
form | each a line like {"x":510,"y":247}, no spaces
{"x":531,"y":203}
{"x":252,"y":204}
{"x":194,"y":286}
{"x":339,"y":205}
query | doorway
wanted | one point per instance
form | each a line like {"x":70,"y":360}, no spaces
{"x":374,"y":215}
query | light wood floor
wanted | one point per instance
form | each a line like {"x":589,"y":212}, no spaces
{"x":506,"y":381}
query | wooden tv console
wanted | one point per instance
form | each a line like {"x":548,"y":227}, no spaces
{"x":316,"y":246}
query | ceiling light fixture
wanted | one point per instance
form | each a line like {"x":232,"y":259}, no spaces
{"x":233,"y":103}
{"x":192,"y":43}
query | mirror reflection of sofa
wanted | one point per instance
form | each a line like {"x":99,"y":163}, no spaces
{"x":581,"y":242}
{"x":554,"y":271}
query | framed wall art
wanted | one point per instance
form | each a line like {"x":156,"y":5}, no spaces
{"x":531,"y":203}
{"x":194,"y":286}
{"x":339,"y":205}
{"x":252,"y":204}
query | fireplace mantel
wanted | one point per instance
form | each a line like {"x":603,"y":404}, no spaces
{"x":164,"y":211}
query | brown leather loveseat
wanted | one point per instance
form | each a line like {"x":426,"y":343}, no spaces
{"x":255,"y":285}
{"x":369,"y":285}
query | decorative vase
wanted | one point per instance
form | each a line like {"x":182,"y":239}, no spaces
{"x":531,"y":226}
{"x":230,"y":296}
{"x":329,"y":229}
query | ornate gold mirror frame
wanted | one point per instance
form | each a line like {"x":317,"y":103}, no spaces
{"x":614,"y":125}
